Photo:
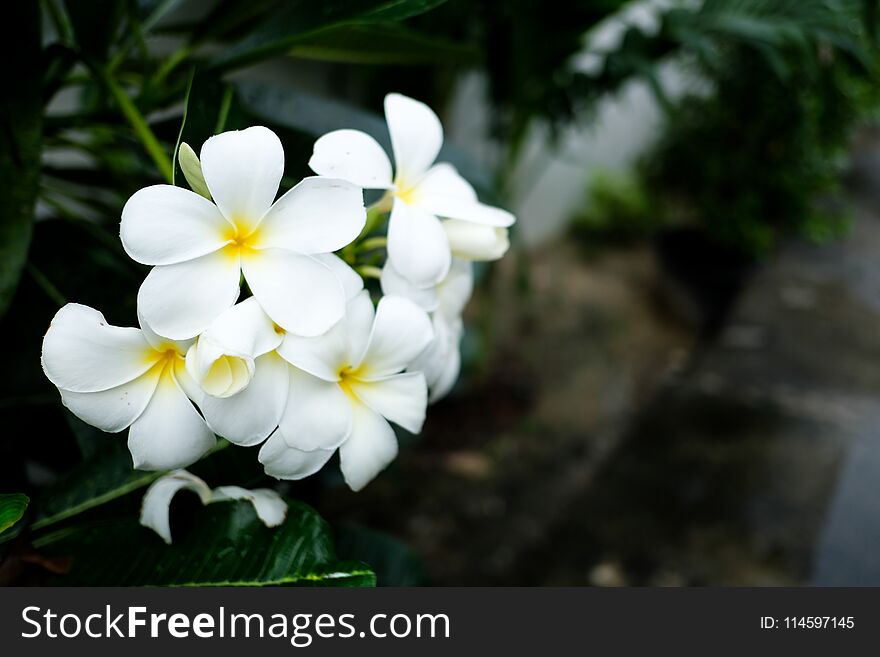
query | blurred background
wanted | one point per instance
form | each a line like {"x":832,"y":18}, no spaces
{"x":671,"y":379}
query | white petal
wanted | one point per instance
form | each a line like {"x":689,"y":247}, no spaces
{"x":156,"y":507}
{"x":351,"y":281}
{"x":83,"y":353}
{"x":401,"y":398}
{"x":243,"y":169}
{"x":359,"y":317}
{"x":455,"y":290}
{"x":170,"y":433}
{"x":441,"y":361}
{"x":319,"y":215}
{"x":161,"y":343}
{"x":244,"y":329}
{"x":299,"y":293}
{"x":470,"y":241}
{"x":114,"y":409}
{"x":318,"y":413}
{"x":444,"y":180}
{"x":416,"y":136}
{"x":322,"y":356}
{"x":401,"y":332}
{"x":477,"y":213}
{"x":270,"y":508}
{"x":354,"y":156}
{"x":180,"y":301}
{"x":217,"y":371}
{"x":163,"y":224}
{"x":249,"y":416}
{"x":284,"y":462}
{"x":448,"y":376}
{"x":395,"y":284}
{"x":371,"y":446}
{"x":417,"y":245}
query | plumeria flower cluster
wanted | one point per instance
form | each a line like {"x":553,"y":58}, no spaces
{"x":255,"y":322}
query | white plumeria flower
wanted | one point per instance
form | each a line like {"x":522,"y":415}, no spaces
{"x":156,"y":506}
{"x":441,"y":361}
{"x":244,"y":380}
{"x":199,"y":249}
{"x":115,"y":378}
{"x":345,"y":387}
{"x":418,"y":243}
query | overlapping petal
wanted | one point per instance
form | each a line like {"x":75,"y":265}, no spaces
{"x":401,"y":331}
{"x":354,"y":156}
{"x":299,"y":293}
{"x":243,"y":169}
{"x":83,"y":353}
{"x":369,"y":449}
{"x":164,"y":225}
{"x":169,"y":433}
{"x":400,"y":398}
{"x":416,"y":137}
{"x":114,"y":409}
{"x":417,"y":245}
{"x":318,"y":413}
{"x":249,"y":416}
{"x":319,"y":215}
{"x":180,"y":301}
{"x":284,"y":462}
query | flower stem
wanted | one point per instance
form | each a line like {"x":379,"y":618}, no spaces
{"x":140,"y":127}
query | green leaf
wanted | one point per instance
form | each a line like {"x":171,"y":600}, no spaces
{"x":12,"y":508}
{"x":381,"y":44}
{"x":284,"y":26}
{"x":21,"y":109}
{"x":222,"y":544}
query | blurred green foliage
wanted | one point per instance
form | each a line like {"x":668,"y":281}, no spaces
{"x":103,"y":92}
{"x":618,"y":210}
{"x":761,"y":154}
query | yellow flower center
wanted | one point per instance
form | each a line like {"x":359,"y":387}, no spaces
{"x":242,"y":235}
{"x":348,"y":379}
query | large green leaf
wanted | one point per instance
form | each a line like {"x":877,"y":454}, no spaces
{"x":381,"y":44}
{"x":292,"y":20}
{"x":21,"y":109}
{"x":223,"y":544}
{"x":12,"y":508}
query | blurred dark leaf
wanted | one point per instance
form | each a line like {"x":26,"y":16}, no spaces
{"x":95,"y":25}
{"x":315,"y":116}
{"x":103,"y":479}
{"x":290,"y":21}
{"x":381,"y":44}
{"x":12,"y":508}
{"x":21,"y":116}
{"x":222,"y":544}
{"x":394,"y":562}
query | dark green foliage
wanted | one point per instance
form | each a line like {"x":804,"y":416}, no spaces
{"x":223,"y":544}
{"x":760,"y":156}
{"x":618,"y":211}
